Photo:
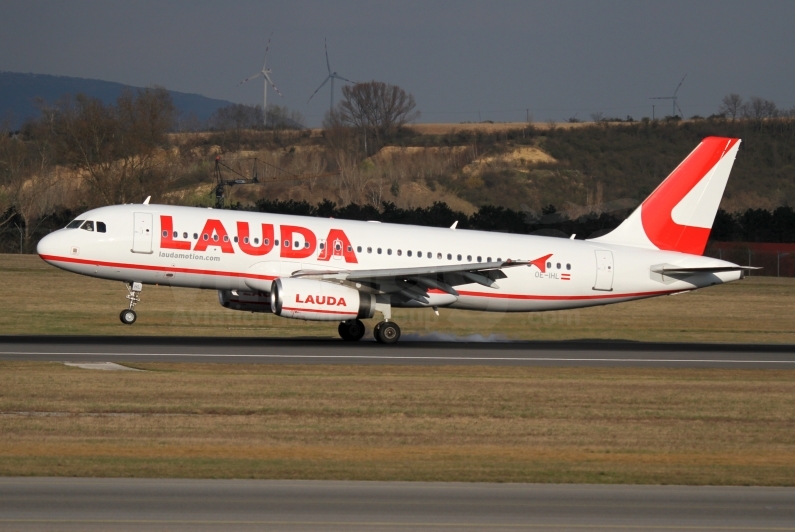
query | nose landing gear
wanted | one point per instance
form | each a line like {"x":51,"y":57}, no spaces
{"x":128,"y":316}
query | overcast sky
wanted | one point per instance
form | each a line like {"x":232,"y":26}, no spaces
{"x":464,"y":60}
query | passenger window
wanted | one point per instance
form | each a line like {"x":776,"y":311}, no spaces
{"x":379,"y":251}
{"x":266,"y":241}
{"x":369,"y":249}
{"x":306,"y":245}
{"x":165,"y":234}
{"x":549,"y":265}
{"x":568,"y":266}
{"x":205,"y":236}
{"x":88,"y":226}
{"x":245,"y":240}
{"x":400,"y":252}
{"x":449,"y":256}
{"x":350,"y":249}
{"x":176,"y":234}
{"x":296,"y":244}
{"x":499,"y":259}
{"x":256,"y":240}
{"x":469,"y":258}
{"x":215,"y":238}
{"x":408,"y":253}
{"x":488,"y":259}
{"x":74,"y":224}
{"x":235,"y":240}
{"x":101,"y":227}
{"x":459,"y":257}
{"x":226,"y":238}
{"x":438,"y":255}
{"x":276,"y":242}
{"x":359,"y":249}
{"x":389,"y":251}
{"x":558,"y":265}
{"x":429,"y":255}
{"x":195,"y":236}
{"x":479,"y":257}
{"x":184,"y":235}
{"x":322,"y":245}
{"x":285,"y":244}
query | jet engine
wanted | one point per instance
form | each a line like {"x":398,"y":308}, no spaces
{"x":244,"y":300}
{"x":308,"y":299}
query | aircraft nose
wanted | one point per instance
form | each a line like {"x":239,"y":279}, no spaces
{"x":50,"y":245}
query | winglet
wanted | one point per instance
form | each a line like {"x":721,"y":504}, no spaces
{"x":541,"y":263}
{"x":455,"y":224}
{"x":146,"y":201}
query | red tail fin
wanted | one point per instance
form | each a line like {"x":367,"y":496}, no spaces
{"x":679,"y":214}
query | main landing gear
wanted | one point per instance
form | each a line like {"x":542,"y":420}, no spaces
{"x":386,"y":332}
{"x":351,"y":330}
{"x":128,"y":316}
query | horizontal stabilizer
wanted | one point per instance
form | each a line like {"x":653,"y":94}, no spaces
{"x":673,"y":270}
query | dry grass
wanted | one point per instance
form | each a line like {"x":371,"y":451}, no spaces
{"x":499,"y":127}
{"x":40,"y":299}
{"x":407,"y":423}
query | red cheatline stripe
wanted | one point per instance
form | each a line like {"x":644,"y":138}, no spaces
{"x":155,"y":268}
{"x":269,"y":278}
{"x":322,"y":311}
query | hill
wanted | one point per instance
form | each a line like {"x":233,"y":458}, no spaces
{"x":18,"y":93}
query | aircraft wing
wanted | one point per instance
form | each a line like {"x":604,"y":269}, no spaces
{"x":414,"y":283}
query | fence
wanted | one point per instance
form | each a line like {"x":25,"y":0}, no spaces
{"x":776,"y":260}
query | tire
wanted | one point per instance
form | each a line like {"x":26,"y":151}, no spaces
{"x":351,"y":331}
{"x":377,"y":332}
{"x":389,"y":332}
{"x":128,"y":316}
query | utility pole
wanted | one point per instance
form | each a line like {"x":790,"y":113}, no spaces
{"x":527,"y":115}
{"x":652,"y":113}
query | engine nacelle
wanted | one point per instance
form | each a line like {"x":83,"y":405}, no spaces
{"x":308,"y":299}
{"x":245,"y":300}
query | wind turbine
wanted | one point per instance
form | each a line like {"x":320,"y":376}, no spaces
{"x":331,"y":76}
{"x":265,"y":73}
{"x":673,"y":99}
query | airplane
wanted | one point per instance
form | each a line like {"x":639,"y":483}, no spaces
{"x":345,"y":271}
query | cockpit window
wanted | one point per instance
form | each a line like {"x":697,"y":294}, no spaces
{"x":88,"y":226}
{"x":101,"y":227}
{"x":74,"y":224}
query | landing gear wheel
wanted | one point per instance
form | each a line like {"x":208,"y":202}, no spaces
{"x":377,"y":331}
{"x":128,"y":316}
{"x":387,"y":332}
{"x":351,"y":331}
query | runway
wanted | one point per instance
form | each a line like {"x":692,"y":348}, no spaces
{"x":29,"y":504}
{"x":596,"y":353}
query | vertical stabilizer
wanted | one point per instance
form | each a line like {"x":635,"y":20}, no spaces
{"x":678,"y":215}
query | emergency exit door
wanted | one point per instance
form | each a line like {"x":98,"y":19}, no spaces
{"x":142,"y":235}
{"x":604,"y":270}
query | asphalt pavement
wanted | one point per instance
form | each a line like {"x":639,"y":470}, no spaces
{"x":412,"y":351}
{"x":31,"y":504}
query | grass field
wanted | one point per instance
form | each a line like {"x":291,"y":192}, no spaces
{"x":682,"y":426}
{"x":36,"y":298}
{"x":400,"y":423}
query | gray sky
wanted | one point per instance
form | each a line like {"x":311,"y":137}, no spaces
{"x":457,"y":58}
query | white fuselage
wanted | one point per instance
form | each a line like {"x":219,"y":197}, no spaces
{"x":577,"y":273}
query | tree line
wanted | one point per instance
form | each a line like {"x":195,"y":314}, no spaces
{"x":752,"y":225}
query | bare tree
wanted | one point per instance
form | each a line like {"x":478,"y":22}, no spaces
{"x":375,"y":108}
{"x":117,"y":150}
{"x":731,"y":105}
{"x":758,"y":108}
